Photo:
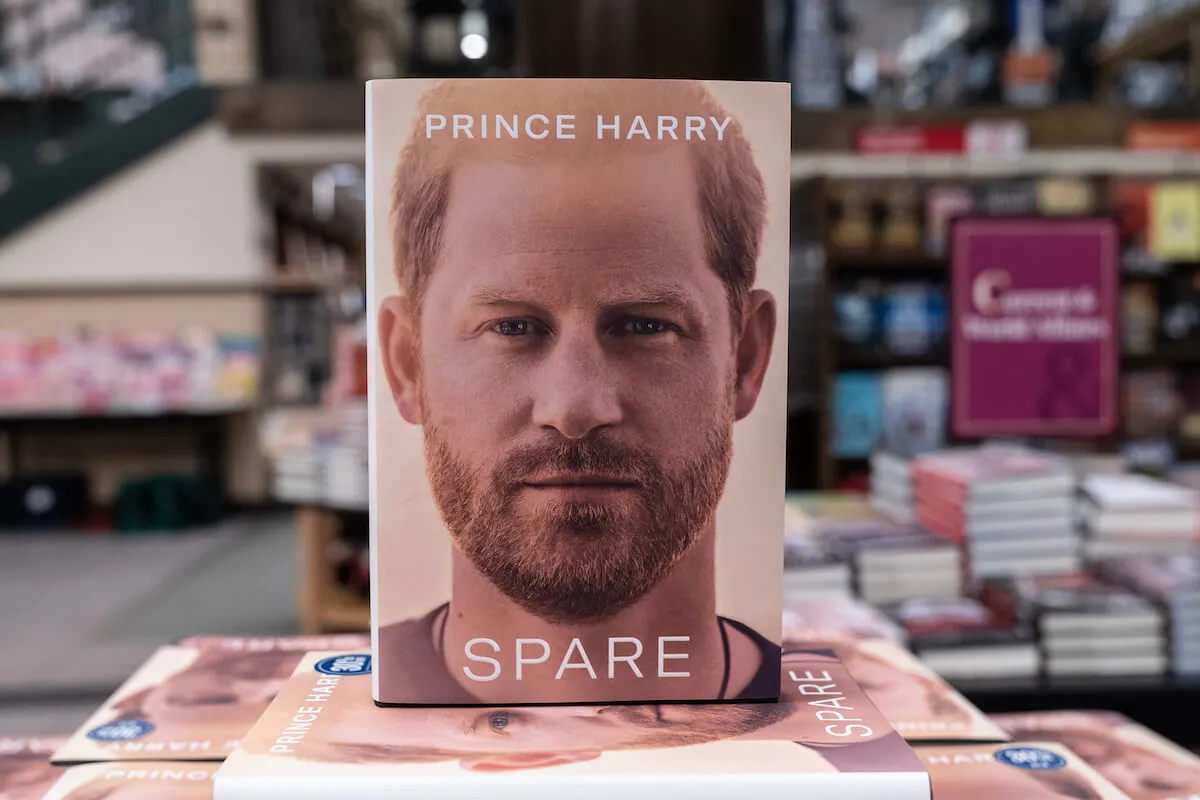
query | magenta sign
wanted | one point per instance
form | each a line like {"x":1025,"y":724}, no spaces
{"x":1034,"y":313}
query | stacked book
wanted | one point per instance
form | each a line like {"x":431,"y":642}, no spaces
{"x":891,"y":486}
{"x":1012,"y":510}
{"x":1086,"y":626}
{"x":1173,"y":583}
{"x":894,"y":561}
{"x":962,"y":639}
{"x":1137,"y":515}
{"x":837,"y":619}
{"x":810,"y":570}
{"x":1138,"y":761}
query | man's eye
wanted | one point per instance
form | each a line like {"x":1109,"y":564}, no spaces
{"x":514,"y":327}
{"x":498,"y":720}
{"x":644,"y":326}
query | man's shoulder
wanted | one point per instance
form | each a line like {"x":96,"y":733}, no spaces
{"x":410,"y":668}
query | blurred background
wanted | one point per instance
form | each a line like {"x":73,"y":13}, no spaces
{"x":182,"y":340}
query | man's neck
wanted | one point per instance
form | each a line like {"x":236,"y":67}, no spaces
{"x":589,"y":662}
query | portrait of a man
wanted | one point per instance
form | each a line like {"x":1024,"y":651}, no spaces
{"x":573,"y":320}
{"x":26,"y":772}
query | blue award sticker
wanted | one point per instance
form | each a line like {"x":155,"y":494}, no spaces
{"x":353,"y":664}
{"x":125,"y":730}
{"x":1030,"y":758}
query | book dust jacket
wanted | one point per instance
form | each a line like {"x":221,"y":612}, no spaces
{"x":192,"y":700}
{"x":136,"y":780}
{"x":578,"y":298}
{"x":324,"y":737}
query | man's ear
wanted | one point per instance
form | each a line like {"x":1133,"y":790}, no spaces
{"x":511,"y":762}
{"x":401,"y":364}
{"x":754,"y":350}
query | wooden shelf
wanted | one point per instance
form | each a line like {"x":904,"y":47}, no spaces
{"x":886,"y":263}
{"x":1156,"y":39}
{"x":324,"y":605}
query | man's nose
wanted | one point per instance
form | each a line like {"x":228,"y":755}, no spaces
{"x":577,"y":388}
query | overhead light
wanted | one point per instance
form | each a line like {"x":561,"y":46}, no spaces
{"x":474,"y":46}
{"x":473,"y":30}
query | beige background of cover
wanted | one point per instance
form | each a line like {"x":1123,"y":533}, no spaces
{"x":193,"y":772}
{"x":412,"y":558}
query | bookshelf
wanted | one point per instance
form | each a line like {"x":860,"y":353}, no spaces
{"x":872,"y":274}
{"x":324,"y":605}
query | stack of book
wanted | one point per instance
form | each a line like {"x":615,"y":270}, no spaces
{"x":1086,"y":626}
{"x":891,"y":486}
{"x":836,"y":619}
{"x":1011,"y":509}
{"x":810,"y":570}
{"x":894,"y":561}
{"x":962,"y":639}
{"x":1138,"y":761}
{"x":323,"y":736}
{"x":1137,"y":515}
{"x":1042,"y":770}
{"x":1173,"y":583}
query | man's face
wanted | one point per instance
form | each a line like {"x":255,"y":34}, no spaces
{"x":1135,"y":770}
{"x":559,"y":728}
{"x":220,"y":694}
{"x":900,"y":695}
{"x":27,"y":779}
{"x":576,"y":377}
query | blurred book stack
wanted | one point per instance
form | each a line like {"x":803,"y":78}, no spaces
{"x":894,"y":561}
{"x":1011,"y":509}
{"x":1086,"y":626}
{"x":1173,"y":582}
{"x":1136,"y":515}
{"x":319,"y":456}
{"x":837,"y":619}
{"x":891,"y":486}
{"x":962,"y":639}
{"x":810,"y":570}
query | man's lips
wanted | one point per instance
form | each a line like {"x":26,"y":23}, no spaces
{"x":577,"y":481}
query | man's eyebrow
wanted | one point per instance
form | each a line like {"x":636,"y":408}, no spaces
{"x":654,"y":296}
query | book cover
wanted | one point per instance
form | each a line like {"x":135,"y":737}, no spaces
{"x":857,"y":413}
{"x":1138,"y":761}
{"x":917,"y":702}
{"x":193,"y":700}
{"x":909,"y":325}
{"x":971,"y":470}
{"x":823,"y":738}
{"x":1032,"y":770}
{"x":837,"y":619}
{"x":25,"y":769}
{"x":915,"y":410}
{"x":1172,"y":580}
{"x":136,"y":780}
{"x":1133,"y":493}
{"x":1175,"y":221}
{"x":579,"y":293}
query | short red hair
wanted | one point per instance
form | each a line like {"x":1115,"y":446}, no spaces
{"x":732,"y":194}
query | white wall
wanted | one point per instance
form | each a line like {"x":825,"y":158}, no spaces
{"x":185,"y":214}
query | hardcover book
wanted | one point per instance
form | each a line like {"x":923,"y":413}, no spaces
{"x":914,"y":699}
{"x":136,"y":780}
{"x":578,"y":292}
{"x":323,"y":735}
{"x":857,"y":413}
{"x":25,"y":769}
{"x":1141,"y":763}
{"x":193,"y":700}
{"x":1030,"y":771}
